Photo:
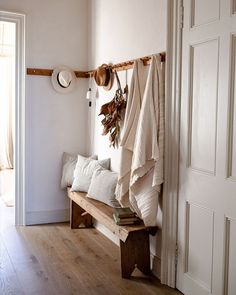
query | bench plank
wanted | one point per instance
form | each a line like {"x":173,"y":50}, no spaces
{"x":134,"y":239}
{"x":79,"y":216}
{"x":104,"y":214}
{"x":135,"y":252}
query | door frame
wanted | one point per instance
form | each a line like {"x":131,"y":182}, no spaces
{"x":172,"y":132}
{"x":19,"y":151}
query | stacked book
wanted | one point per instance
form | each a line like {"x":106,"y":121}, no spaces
{"x":125,"y":216}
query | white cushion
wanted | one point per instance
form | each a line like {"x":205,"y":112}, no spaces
{"x":102,"y":187}
{"x":84,"y":170}
{"x":68,"y":166}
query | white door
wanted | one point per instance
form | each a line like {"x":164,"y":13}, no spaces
{"x":207,"y":185}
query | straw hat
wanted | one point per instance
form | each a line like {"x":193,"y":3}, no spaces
{"x":104,"y":76}
{"x":63,"y":79}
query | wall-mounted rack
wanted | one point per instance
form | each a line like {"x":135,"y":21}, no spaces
{"x":86,"y":74}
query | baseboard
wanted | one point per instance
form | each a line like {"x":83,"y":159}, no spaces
{"x":156,"y":266}
{"x":106,"y":232}
{"x":43,"y":217}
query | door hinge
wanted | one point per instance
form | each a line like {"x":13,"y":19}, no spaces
{"x":176,"y":254}
{"x":181,"y":15}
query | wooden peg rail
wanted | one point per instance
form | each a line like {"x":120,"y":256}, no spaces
{"x":48,"y":72}
{"x":86,"y":74}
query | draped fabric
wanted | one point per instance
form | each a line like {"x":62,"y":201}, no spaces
{"x":142,"y":145}
{"x":147,"y":172}
{"x":133,"y":108}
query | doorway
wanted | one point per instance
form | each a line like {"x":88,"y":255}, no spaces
{"x":12,"y":118}
{"x":7,"y":119}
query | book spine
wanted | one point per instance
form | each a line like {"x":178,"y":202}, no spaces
{"x":122,"y":216}
{"x":126,"y":221}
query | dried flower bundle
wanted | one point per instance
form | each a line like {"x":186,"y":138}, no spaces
{"x":113,"y":112}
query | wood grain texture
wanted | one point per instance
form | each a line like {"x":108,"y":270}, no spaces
{"x":126,"y":65}
{"x":48,"y":72}
{"x":134,"y":246}
{"x":55,"y":260}
{"x":79,"y":217}
{"x":135,"y":253}
{"x":104,"y":214}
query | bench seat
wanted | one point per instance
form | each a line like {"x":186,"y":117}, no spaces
{"x":134,"y":239}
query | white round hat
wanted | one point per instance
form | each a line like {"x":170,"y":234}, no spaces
{"x":63,"y":79}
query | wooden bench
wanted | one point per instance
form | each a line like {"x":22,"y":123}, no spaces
{"x":134,"y":239}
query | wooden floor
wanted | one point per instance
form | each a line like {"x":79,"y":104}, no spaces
{"x":52,"y":259}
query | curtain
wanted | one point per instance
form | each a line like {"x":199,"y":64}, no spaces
{"x":7,"y":90}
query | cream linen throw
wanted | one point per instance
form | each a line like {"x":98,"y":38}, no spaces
{"x":147,"y":163}
{"x":133,"y":108}
{"x":145,"y":169}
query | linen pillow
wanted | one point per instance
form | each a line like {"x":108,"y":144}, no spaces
{"x":84,"y":170}
{"x":68,"y":166}
{"x":102,"y":187}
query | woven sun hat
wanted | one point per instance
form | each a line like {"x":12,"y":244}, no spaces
{"x":63,"y":79}
{"x":104,"y":76}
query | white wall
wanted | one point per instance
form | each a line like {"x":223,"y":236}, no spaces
{"x":123,"y":30}
{"x":119,"y":31}
{"x":56,"y":33}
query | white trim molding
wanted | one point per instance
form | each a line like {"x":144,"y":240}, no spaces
{"x":170,"y":195}
{"x":19,"y":20}
{"x":50,"y":216}
{"x":156,"y":265}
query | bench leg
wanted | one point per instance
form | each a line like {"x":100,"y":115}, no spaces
{"x":78,"y":216}
{"x":135,"y":252}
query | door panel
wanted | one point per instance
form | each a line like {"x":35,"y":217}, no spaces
{"x":232,"y":123}
{"x":203,"y":102}
{"x":233,"y":6}
{"x":199,"y":243}
{"x":200,"y":16}
{"x":207,"y":183}
{"x":230,"y":256}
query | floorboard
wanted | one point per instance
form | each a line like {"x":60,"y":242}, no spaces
{"x":52,"y":259}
